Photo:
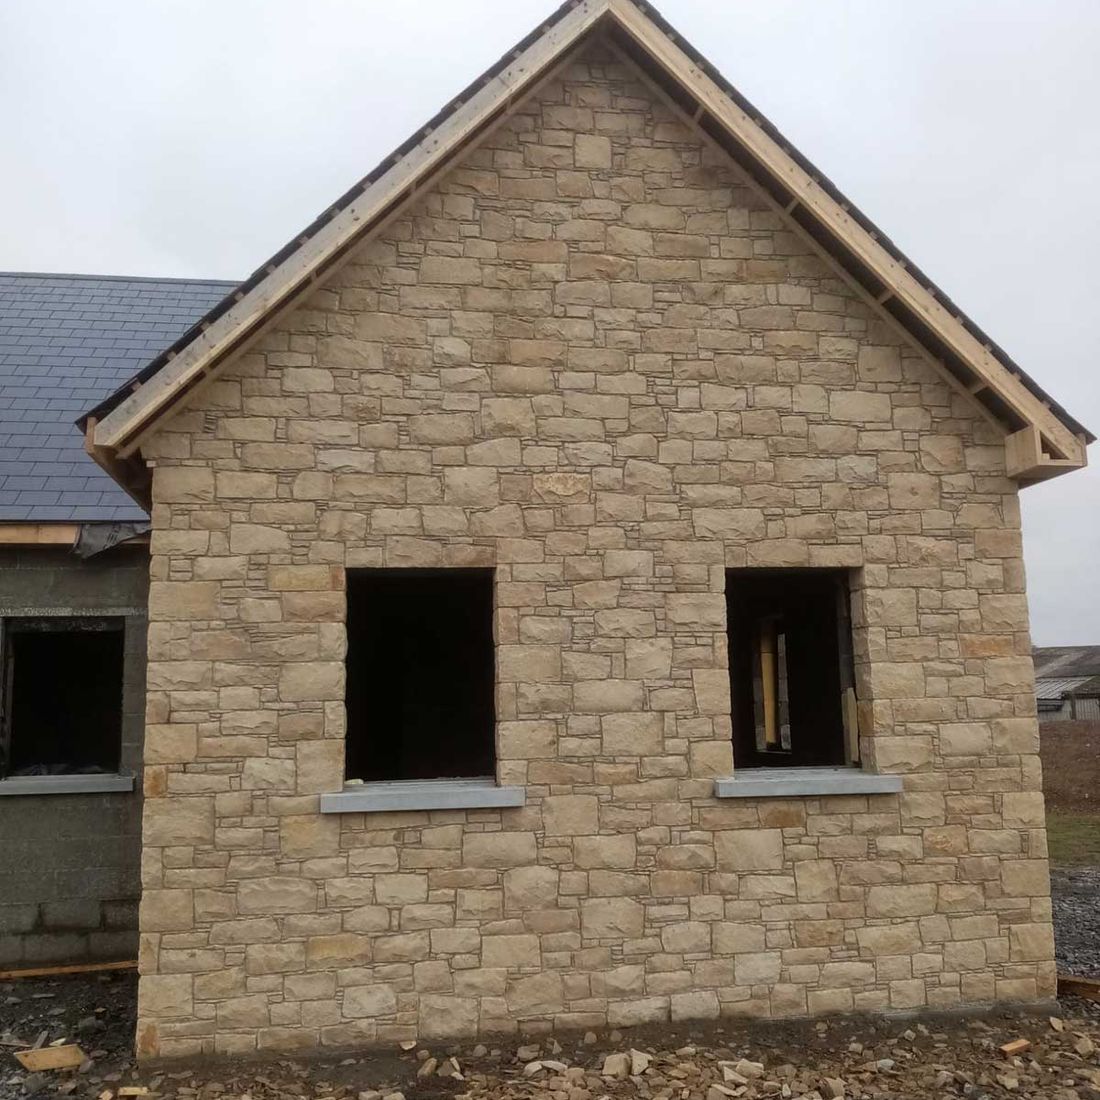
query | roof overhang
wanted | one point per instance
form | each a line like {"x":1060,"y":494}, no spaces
{"x":42,"y":535}
{"x":1042,"y":439}
{"x":86,"y":539}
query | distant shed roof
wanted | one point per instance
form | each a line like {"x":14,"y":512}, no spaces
{"x":1061,"y":686}
{"x":1062,"y":661}
{"x":66,"y":342}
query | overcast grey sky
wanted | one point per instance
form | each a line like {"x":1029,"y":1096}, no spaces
{"x":195,"y":137}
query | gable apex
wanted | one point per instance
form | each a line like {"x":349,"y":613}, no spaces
{"x":1042,"y":439}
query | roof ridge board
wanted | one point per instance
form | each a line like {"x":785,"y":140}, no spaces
{"x":1056,"y":414}
{"x":74,"y":276}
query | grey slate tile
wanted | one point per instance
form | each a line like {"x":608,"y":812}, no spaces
{"x":67,"y":342}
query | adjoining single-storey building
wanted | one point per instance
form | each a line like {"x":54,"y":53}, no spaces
{"x":1067,"y":683}
{"x":585,"y":589}
{"x":73,"y":592}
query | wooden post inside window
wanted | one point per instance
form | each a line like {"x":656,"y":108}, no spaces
{"x":769,"y":667}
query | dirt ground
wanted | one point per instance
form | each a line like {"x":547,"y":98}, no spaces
{"x":859,"y":1058}
{"x":1071,"y":783}
{"x":1071,"y":767}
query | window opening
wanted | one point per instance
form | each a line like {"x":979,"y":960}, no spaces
{"x":420,"y":674}
{"x":61,"y":696}
{"x":791,"y":676}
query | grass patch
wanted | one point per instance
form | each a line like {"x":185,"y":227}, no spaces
{"x":1073,"y":838}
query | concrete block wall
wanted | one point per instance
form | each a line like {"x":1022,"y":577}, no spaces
{"x":69,"y":864}
{"x":594,"y":359}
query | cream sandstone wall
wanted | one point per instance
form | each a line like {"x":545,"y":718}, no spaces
{"x":595,"y":361}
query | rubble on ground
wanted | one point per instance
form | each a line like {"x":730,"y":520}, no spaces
{"x":1075,"y":896}
{"x":935,"y":1058}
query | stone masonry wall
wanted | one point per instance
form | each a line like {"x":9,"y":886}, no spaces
{"x":69,"y":882}
{"x":593,"y":359}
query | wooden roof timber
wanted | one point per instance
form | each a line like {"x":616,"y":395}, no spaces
{"x":861,"y":253}
{"x":39,"y":534}
{"x":1042,"y":440}
{"x":130,"y":473}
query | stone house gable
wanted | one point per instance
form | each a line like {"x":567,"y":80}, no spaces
{"x":596,"y":360}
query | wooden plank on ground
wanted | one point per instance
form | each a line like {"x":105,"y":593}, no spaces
{"x":68,"y":1056}
{"x":1070,"y":986}
{"x":81,"y":968}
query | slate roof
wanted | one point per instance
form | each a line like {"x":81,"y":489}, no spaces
{"x":66,"y":342}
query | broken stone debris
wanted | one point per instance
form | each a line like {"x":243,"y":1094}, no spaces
{"x":727,"y":1060}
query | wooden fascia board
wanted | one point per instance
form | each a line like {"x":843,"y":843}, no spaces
{"x":117,"y":434}
{"x":809,"y":194}
{"x":133,"y":415}
{"x":128,"y":471}
{"x":1026,"y":460}
{"x":39,"y":534}
{"x":1038,"y":466}
{"x":783,"y":210}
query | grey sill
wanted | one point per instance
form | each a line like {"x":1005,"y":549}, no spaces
{"x":799,"y":782}
{"x":422,"y":794}
{"x":66,"y":784}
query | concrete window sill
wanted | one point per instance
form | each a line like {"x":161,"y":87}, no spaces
{"x":66,"y":784}
{"x":803,"y":782}
{"x":422,"y":794}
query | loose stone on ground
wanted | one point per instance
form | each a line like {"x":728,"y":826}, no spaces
{"x":850,"y":1058}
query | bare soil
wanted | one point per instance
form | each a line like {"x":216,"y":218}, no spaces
{"x":1071,"y":782}
{"x":96,"y":1011}
{"x":1070,"y":753}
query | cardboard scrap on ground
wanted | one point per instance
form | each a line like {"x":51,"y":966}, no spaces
{"x":68,"y":1056}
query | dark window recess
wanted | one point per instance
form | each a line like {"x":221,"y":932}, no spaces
{"x":420,"y":674}
{"x":791,"y":678}
{"x":62,"y":696}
